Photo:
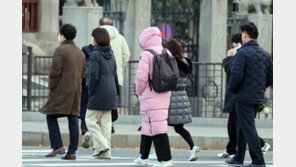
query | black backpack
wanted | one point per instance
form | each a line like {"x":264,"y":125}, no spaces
{"x":165,"y":72}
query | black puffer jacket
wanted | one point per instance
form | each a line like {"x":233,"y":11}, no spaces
{"x":102,"y":81}
{"x":229,"y":102}
{"x":179,"y":111}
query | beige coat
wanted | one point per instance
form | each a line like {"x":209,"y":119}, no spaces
{"x":120,"y":50}
{"x":67,"y":72}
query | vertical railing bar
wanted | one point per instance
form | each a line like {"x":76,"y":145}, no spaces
{"x":221,"y":69}
{"x":29,"y":78}
{"x":129,"y":91}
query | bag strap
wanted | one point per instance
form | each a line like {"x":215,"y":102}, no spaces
{"x":149,"y":79}
{"x":151,"y":51}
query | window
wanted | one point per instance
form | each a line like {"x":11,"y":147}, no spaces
{"x":30,"y":15}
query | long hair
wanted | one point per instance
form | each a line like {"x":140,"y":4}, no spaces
{"x":175,"y":47}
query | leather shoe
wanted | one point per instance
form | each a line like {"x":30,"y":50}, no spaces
{"x":233,"y":162}
{"x":55,"y":152}
{"x":69,"y":157}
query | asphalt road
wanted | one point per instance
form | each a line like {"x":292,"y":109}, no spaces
{"x":35,"y":157}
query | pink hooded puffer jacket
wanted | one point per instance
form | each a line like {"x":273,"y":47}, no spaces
{"x":154,"y":106}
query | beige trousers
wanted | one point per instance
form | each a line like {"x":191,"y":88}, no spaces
{"x":99,"y":124}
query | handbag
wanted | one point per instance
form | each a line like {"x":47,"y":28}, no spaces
{"x":114,"y":115}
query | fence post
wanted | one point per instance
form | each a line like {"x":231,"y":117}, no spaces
{"x":29,"y":79}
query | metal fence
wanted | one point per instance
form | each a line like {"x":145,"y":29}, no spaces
{"x":206,"y":87}
{"x":35,"y":80}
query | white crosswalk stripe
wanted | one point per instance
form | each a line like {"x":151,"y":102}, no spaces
{"x":36,"y":158}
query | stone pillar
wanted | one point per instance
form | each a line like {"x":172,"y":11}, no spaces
{"x":212,"y":49}
{"x":142,"y":21}
{"x":264,"y":25}
{"x":212,"y":30}
{"x":48,"y":20}
{"x":85,"y":19}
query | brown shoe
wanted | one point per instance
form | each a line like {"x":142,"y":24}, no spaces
{"x":69,"y":157}
{"x":55,"y":152}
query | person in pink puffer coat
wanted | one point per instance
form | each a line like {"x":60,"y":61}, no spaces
{"x":154,"y":106}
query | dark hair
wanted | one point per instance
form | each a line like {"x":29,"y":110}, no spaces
{"x":68,"y":31}
{"x":106,"y":21}
{"x":101,"y":36}
{"x":251,"y":30}
{"x":237,"y":38}
{"x":175,"y":47}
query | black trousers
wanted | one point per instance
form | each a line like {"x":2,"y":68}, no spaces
{"x":231,"y":128}
{"x":185,"y":134}
{"x":247,"y":134}
{"x":55,"y":135}
{"x":161,"y":144}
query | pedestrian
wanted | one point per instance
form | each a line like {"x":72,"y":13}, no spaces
{"x":86,"y":141}
{"x":122,"y":54}
{"x":153,"y":105}
{"x":229,"y":103}
{"x":103,"y":89}
{"x":67,"y":71}
{"x":251,"y":74}
{"x":179,"y":110}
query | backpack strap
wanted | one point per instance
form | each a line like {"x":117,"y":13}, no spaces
{"x":151,"y":51}
{"x":149,"y":79}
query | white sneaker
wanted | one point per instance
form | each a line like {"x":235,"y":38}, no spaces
{"x":194,"y":153}
{"x":141,"y":162}
{"x":163,"y":164}
{"x":265,"y":148}
{"x":152,"y":156}
{"x":86,"y":142}
{"x":225,"y":155}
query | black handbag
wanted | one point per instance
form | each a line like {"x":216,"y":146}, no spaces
{"x":114,"y":115}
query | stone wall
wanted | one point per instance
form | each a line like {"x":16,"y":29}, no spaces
{"x":85,"y":19}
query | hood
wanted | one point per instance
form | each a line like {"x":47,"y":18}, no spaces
{"x":105,"y":51}
{"x":150,"y":37}
{"x":113,"y":32}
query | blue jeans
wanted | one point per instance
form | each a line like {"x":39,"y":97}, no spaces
{"x":246,"y":133}
{"x":55,"y":135}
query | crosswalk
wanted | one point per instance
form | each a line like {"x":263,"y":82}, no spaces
{"x":36,"y":158}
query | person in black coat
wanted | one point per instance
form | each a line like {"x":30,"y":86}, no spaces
{"x":251,"y":74}
{"x":229,"y":103}
{"x":86,"y":141}
{"x":103,"y":91}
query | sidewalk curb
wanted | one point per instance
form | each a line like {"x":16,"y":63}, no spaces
{"x":136,"y":120}
{"x":123,"y":140}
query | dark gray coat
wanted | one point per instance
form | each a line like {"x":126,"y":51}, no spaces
{"x":179,"y":111}
{"x":228,"y":102}
{"x":102,"y":81}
